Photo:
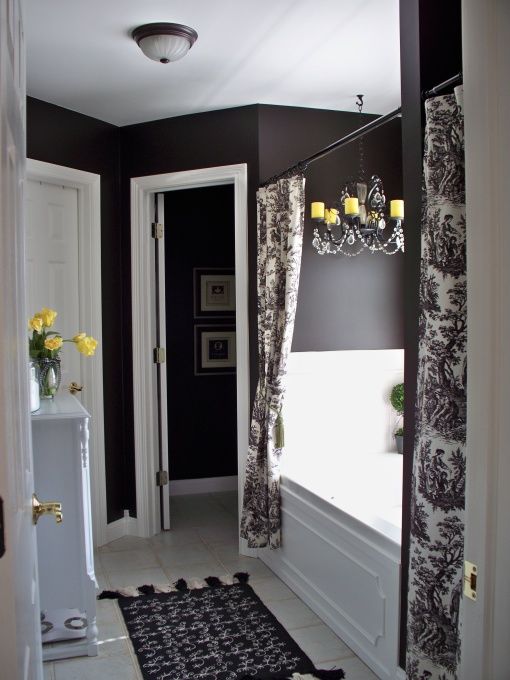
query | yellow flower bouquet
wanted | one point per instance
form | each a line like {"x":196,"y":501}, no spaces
{"x":44,"y":347}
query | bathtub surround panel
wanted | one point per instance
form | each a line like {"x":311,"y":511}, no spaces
{"x":347,"y":572}
{"x":342,"y":497}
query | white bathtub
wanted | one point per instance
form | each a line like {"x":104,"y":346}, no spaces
{"x":341,"y":509}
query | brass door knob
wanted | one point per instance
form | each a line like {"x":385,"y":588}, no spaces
{"x":74,"y":387}
{"x":49,"y":508}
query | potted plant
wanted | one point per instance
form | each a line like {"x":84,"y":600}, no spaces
{"x":397,"y":401}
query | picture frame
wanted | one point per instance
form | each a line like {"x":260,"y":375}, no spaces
{"x":215,"y":349}
{"x":214,"y":292}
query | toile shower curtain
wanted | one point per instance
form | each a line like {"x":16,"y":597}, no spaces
{"x":437,"y":502}
{"x":280,"y":214}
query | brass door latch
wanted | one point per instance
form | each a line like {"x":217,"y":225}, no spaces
{"x":49,"y":508}
{"x":74,"y":388}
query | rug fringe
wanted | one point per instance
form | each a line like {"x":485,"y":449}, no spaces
{"x":164,"y":588}
{"x":213,"y":581}
{"x":146,"y":590}
{"x":242,"y":576}
{"x":180,"y":585}
{"x":314,"y":675}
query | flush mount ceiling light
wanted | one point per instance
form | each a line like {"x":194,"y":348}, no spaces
{"x":164,"y":42}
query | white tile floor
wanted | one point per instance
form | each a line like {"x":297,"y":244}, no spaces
{"x":202,"y":543}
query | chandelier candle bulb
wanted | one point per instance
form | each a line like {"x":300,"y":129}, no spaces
{"x":351,"y":206}
{"x":397,"y":209}
{"x":317,"y":211}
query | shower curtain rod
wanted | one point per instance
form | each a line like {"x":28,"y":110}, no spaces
{"x":301,"y":166}
{"x":454,"y":80}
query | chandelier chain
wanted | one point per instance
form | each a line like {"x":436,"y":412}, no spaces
{"x":361,"y":148}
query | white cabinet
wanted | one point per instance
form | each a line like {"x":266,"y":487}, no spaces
{"x":60,"y":434}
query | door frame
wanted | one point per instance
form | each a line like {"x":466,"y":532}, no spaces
{"x":88,"y":186}
{"x":147,"y":522}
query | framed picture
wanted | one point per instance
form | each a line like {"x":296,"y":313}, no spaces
{"x":215,"y":350}
{"x":214,"y":292}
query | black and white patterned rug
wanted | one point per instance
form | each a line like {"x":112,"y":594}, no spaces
{"x":218,"y":632}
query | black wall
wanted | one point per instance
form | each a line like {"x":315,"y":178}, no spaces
{"x":344,"y":303}
{"x":56,"y":135}
{"x":431,"y":52}
{"x":202,"y":409}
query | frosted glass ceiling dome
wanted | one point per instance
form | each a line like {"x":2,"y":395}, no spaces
{"x":164,"y":42}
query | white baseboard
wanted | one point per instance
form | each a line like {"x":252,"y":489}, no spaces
{"x":401,"y":674}
{"x":125,"y":526}
{"x":180,"y":487}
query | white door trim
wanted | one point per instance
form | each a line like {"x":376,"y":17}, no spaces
{"x":89,"y":252}
{"x":142,"y":188}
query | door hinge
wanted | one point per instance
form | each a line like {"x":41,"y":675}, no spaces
{"x":470,"y":579}
{"x":161,"y":478}
{"x":159,"y":355}
{"x":158,"y":230}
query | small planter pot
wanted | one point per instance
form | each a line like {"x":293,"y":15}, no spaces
{"x":399,"y":439}
{"x":49,"y":377}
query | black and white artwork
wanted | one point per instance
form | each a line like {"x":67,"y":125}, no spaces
{"x":214,"y":292}
{"x":215,"y":349}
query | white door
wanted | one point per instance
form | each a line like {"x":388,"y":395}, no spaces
{"x":20,"y":639}
{"x":486,"y":64}
{"x":161,"y":417}
{"x":51,"y":219}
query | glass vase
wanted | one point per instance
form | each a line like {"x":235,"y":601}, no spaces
{"x":35,"y":400}
{"x":49,"y":377}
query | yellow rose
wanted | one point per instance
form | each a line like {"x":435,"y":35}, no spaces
{"x":87,"y":345}
{"x":35,"y":324}
{"x":48,"y":316}
{"x":79,"y":337}
{"x":53,"y":343}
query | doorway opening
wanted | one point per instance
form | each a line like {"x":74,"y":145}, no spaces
{"x":148,"y":521}
{"x":200,"y":339}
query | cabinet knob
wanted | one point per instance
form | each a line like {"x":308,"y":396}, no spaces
{"x":49,"y":508}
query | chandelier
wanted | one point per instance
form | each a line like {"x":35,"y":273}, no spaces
{"x":359,"y":220}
